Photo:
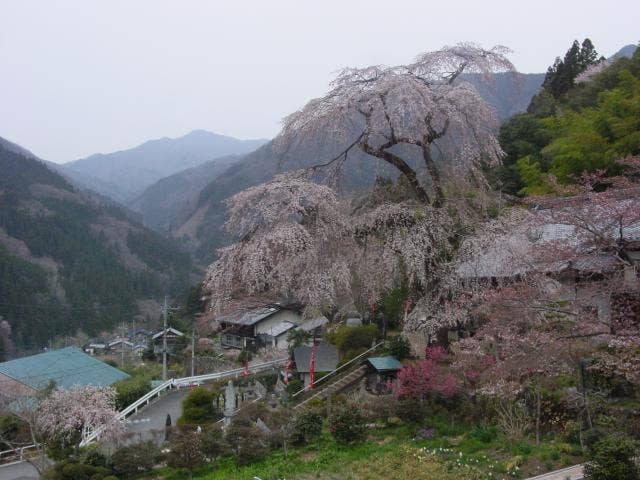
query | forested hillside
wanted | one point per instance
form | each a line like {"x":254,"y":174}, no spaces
{"x":69,"y":262}
{"x":163,"y":204}
{"x":586,"y":116}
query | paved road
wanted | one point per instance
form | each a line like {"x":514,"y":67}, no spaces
{"x":570,"y":473}
{"x":149,"y":423}
{"x":18,"y":471}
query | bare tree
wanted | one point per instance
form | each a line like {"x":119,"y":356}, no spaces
{"x":15,"y":402}
{"x":425,"y":104}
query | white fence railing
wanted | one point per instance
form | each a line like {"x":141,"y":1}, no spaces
{"x":183,"y":382}
{"x":16,"y":454}
{"x":229,"y":373}
{"x":145,"y":399}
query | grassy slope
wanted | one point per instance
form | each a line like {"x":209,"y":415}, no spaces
{"x":456,"y":452}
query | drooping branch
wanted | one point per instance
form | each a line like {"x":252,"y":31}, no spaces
{"x":414,"y":104}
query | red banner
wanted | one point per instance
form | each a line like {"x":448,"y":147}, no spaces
{"x":286,"y":371}
{"x":312,"y":367}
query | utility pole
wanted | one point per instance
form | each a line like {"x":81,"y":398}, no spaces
{"x":124,"y":336}
{"x":165,"y":311}
{"x":193,"y":351}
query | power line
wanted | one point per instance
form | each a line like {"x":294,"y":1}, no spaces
{"x":66,"y":307}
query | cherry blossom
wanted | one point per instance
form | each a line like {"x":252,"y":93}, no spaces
{"x":80,"y":409}
{"x":425,"y":104}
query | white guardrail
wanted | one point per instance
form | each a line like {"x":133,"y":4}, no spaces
{"x":16,"y":454}
{"x":182,"y":382}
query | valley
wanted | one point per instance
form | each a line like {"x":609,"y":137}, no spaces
{"x":431,"y":270}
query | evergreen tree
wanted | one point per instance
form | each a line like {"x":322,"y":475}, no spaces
{"x":588,"y":55}
{"x":560,"y":77}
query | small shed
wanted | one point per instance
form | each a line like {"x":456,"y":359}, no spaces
{"x":382,"y":371}
{"x":326,"y":359}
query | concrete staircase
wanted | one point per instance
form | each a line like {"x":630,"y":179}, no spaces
{"x":337,"y":385}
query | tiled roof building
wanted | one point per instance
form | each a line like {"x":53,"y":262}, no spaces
{"x":65,"y":367}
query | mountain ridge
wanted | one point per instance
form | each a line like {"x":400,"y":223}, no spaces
{"x":164,"y":203}
{"x":124,"y":174}
{"x":71,"y":261}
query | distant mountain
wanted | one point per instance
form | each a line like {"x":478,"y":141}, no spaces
{"x":15,"y":148}
{"x":626,"y":51}
{"x":201,"y":227}
{"x":508,"y":94}
{"x":125,"y":174}
{"x":69,"y":261}
{"x":166,"y":202}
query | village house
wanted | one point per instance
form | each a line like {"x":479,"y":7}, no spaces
{"x":139,"y":335}
{"x":95,"y":347}
{"x":174,"y":337}
{"x":140,"y":348}
{"x":512,"y":256}
{"x":259,"y":327}
{"x":63,"y":368}
{"x":120,"y":345}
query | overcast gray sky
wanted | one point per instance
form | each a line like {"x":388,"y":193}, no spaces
{"x":82,"y":77}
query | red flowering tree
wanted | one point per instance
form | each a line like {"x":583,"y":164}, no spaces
{"x":427,"y":377}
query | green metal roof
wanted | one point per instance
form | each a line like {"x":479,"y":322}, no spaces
{"x":385,"y":363}
{"x":66,"y":367}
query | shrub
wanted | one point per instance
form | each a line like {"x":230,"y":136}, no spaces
{"x":297,"y":338}
{"x":247,"y":441}
{"x":611,"y":458}
{"x":426,"y":378}
{"x":307,"y":426}
{"x":213,"y":443}
{"x":346,"y":424}
{"x":295,"y":385}
{"x":9,"y":427}
{"x":244,"y":356}
{"x":72,"y":470}
{"x":399,"y":347}
{"x":411,"y":410}
{"x":393,"y":305}
{"x":62,"y":447}
{"x":186,"y":449}
{"x":129,"y":390}
{"x":269,"y":380}
{"x":199,"y":407}
{"x":425,"y":433}
{"x":484,"y":434}
{"x":92,"y":456}
{"x":375,"y":408}
{"x":134,"y":459}
{"x":353,"y":339}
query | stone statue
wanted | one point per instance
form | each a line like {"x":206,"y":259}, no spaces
{"x":229,"y":402}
